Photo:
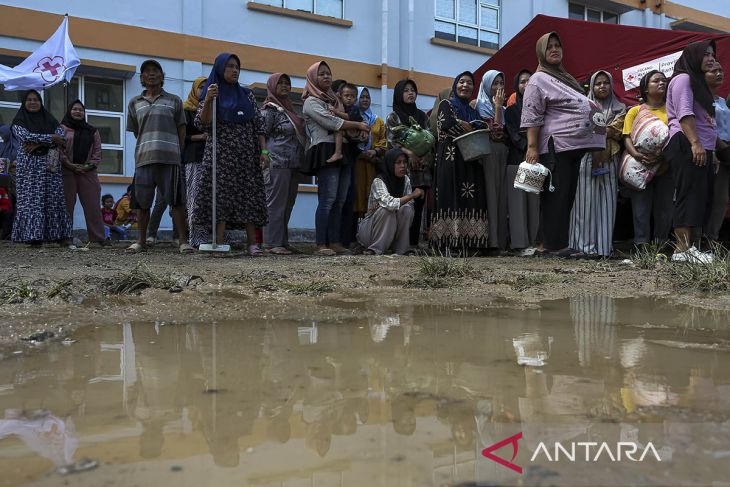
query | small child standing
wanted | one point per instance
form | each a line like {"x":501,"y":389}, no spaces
{"x":109,"y":216}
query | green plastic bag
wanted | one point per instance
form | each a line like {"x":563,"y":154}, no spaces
{"x":415,"y":138}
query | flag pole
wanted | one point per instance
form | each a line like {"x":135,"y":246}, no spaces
{"x":65,"y":85}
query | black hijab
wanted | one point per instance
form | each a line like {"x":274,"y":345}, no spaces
{"x":690,"y":63}
{"x":83,"y":135}
{"x":396,"y":186}
{"x":513,"y":114}
{"x":41,"y":122}
{"x":407,"y":110}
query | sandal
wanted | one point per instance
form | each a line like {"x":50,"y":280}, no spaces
{"x":136,"y":248}
{"x":186,"y":248}
{"x":255,"y":251}
{"x":280,"y":251}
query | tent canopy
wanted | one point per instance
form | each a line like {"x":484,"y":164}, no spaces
{"x":592,"y":46}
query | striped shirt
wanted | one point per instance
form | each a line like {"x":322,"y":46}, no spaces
{"x":155,"y":125}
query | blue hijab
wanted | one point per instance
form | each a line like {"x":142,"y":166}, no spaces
{"x":461,"y":107}
{"x":233,"y":99}
{"x":8,"y":148}
{"x":485,"y":106}
{"x":369,"y":118}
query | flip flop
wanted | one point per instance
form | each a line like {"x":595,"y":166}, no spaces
{"x":255,"y":251}
{"x":136,"y":248}
{"x":280,"y":251}
{"x":326,"y":252}
{"x":186,"y":248}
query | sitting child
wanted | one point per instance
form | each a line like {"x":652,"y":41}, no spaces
{"x":125,"y":215}
{"x":109,"y":215}
{"x":348,"y":95}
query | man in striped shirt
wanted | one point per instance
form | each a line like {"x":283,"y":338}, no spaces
{"x":157,"y":120}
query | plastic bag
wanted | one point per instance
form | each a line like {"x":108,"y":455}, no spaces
{"x":415,"y":138}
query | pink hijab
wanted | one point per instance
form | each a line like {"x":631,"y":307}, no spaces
{"x":283,"y":103}
{"x":311,"y":88}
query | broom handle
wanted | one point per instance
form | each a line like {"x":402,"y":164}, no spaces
{"x":215,"y":164}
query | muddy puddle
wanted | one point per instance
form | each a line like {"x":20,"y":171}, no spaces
{"x":586,"y":391}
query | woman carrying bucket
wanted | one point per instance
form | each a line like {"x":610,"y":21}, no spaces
{"x":562,"y":125}
{"x":460,"y":213}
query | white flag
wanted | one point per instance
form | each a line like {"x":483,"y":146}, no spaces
{"x":55,"y":61}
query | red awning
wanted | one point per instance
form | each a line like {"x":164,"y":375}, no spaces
{"x":593,"y":46}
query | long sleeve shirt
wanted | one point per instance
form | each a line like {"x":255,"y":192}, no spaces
{"x":321,"y":123}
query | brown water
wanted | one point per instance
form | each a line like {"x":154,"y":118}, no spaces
{"x":407,"y":396}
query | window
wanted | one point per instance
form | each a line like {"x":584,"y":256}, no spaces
{"x":473,"y":22}
{"x":577,"y":11}
{"x":328,"y":8}
{"x":104,"y":101}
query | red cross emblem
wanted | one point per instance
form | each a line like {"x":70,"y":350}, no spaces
{"x":50,"y":69}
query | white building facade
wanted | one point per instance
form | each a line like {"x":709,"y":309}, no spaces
{"x":372,"y":43}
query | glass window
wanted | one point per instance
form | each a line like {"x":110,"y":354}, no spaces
{"x":330,"y":8}
{"x":489,"y":18}
{"x":576,"y":11}
{"x":11,"y":96}
{"x":112,"y":161}
{"x":104,"y":94}
{"x":468,"y":11}
{"x":275,"y":3}
{"x":593,"y":15}
{"x":467,"y":35}
{"x":54,"y":98}
{"x":446,"y":9}
{"x":447,"y":31}
{"x":610,"y":18}
{"x":7,"y":114}
{"x":305,"y":5}
{"x":110,"y":128}
{"x":489,"y":39}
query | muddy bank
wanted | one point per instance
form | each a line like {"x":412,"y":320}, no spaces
{"x":55,"y":290}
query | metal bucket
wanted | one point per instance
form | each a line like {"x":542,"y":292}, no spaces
{"x":474,"y":144}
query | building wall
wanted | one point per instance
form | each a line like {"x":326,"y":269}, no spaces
{"x":232,"y":21}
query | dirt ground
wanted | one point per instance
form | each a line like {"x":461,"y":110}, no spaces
{"x":61,"y":290}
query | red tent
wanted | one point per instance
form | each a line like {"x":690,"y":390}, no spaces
{"x":590,"y":46}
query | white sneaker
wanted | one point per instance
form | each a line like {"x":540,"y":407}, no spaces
{"x":693,"y":255}
{"x":528,"y":252}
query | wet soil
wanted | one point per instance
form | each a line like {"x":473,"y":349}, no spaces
{"x":71,"y":289}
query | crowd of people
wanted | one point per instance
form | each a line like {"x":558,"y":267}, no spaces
{"x":396,"y":184}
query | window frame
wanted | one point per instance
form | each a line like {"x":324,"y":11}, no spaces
{"x":456,"y":22}
{"x":595,"y":9}
{"x":98,"y":113}
{"x":314,"y":8}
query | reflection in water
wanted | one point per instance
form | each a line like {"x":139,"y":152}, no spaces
{"x":402,"y":396}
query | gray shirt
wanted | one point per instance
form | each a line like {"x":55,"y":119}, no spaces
{"x":320,"y":122}
{"x":281,"y":139}
{"x":155,"y":125}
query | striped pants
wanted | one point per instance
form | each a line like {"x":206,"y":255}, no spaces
{"x":594,"y":209}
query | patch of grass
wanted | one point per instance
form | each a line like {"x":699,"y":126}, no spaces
{"x":313,"y":288}
{"x":61,"y":289}
{"x":713,"y":276}
{"x":528,"y":281}
{"x":139,"y":278}
{"x":646,"y":256}
{"x":440,"y":271}
{"x":15,"y":290}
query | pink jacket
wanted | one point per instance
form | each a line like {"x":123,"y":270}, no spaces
{"x":94,"y":154}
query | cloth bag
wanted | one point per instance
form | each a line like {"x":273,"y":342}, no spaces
{"x":649,"y":134}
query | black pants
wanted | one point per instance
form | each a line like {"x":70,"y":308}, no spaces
{"x":418,"y":206}
{"x":555,"y":207}
{"x":693,"y":184}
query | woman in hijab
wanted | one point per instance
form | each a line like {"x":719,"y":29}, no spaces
{"x":490,"y":105}
{"x":654,"y":202}
{"x":562,"y":125}
{"x":9,"y":152}
{"x":523,"y":208}
{"x":285,"y":136}
{"x":80,"y":178}
{"x":41,"y":214}
{"x":368,"y":158}
{"x":420,"y":171}
{"x":333,"y":177}
{"x":390,"y":208}
{"x":721,"y":185}
{"x":594,"y":210}
{"x":693,"y":137}
{"x":192,"y":158}
{"x":241,"y":198}
{"x":444,"y":94}
{"x":460,"y":211}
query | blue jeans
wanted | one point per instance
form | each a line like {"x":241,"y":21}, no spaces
{"x":334,"y":182}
